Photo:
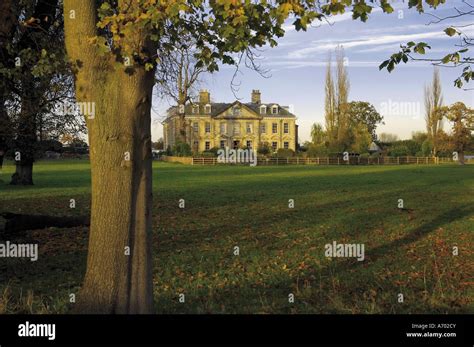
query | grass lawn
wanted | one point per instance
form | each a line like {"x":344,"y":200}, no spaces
{"x":281,"y":249}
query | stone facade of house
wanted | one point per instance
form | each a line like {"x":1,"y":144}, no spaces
{"x":234,"y":125}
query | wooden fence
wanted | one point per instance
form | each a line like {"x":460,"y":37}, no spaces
{"x":350,"y":161}
{"x":262,"y":161}
{"x":182,"y":160}
{"x":332,"y":161}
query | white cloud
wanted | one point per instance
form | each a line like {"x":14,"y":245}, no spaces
{"x":292,"y":64}
{"x":318,"y":46}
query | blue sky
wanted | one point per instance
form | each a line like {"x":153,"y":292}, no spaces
{"x":297,"y":69}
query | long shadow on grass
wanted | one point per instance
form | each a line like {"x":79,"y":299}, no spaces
{"x":196,"y":223}
{"x":256,"y":184}
{"x":246,"y":296}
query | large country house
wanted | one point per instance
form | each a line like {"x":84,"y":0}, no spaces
{"x":234,"y":125}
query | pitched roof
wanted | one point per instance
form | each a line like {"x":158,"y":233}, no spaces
{"x":282,"y":110}
{"x":219,"y":107}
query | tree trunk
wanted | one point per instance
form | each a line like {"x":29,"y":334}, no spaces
{"x":118,"y":277}
{"x":4,"y":128}
{"x":119,"y":265}
{"x":23,"y":173}
{"x":461,"y":157}
{"x":26,"y":141}
{"x":182,"y":128}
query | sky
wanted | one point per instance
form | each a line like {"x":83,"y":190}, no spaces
{"x":297,"y":66}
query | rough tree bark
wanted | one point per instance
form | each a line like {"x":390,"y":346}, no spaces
{"x":23,"y":173}
{"x":26,"y":141}
{"x":120,"y":155}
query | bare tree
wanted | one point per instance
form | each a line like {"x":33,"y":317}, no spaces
{"x":178,"y":78}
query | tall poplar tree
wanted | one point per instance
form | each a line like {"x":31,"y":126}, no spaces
{"x":342,"y":95}
{"x":330,"y":103}
{"x":433,"y":102}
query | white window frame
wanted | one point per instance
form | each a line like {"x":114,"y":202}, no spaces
{"x":248,"y":126}
{"x":196,"y":127}
{"x":275,"y":109}
{"x":208,"y":108}
{"x":263,"y":109}
{"x":263,"y":128}
{"x":195,"y":109}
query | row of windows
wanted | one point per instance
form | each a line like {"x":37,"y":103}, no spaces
{"x":248,"y":128}
{"x":235,"y":110}
{"x":236,"y":144}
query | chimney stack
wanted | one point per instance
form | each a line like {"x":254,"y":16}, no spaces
{"x":204,"y":96}
{"x":256,"y":96}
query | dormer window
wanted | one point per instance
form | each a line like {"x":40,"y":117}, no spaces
{"x":195,"y":108}
{"x":181,"y":109}
{"x":263,"y":109}
{"x":275,"y":109}
{"x":207,"y":108}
